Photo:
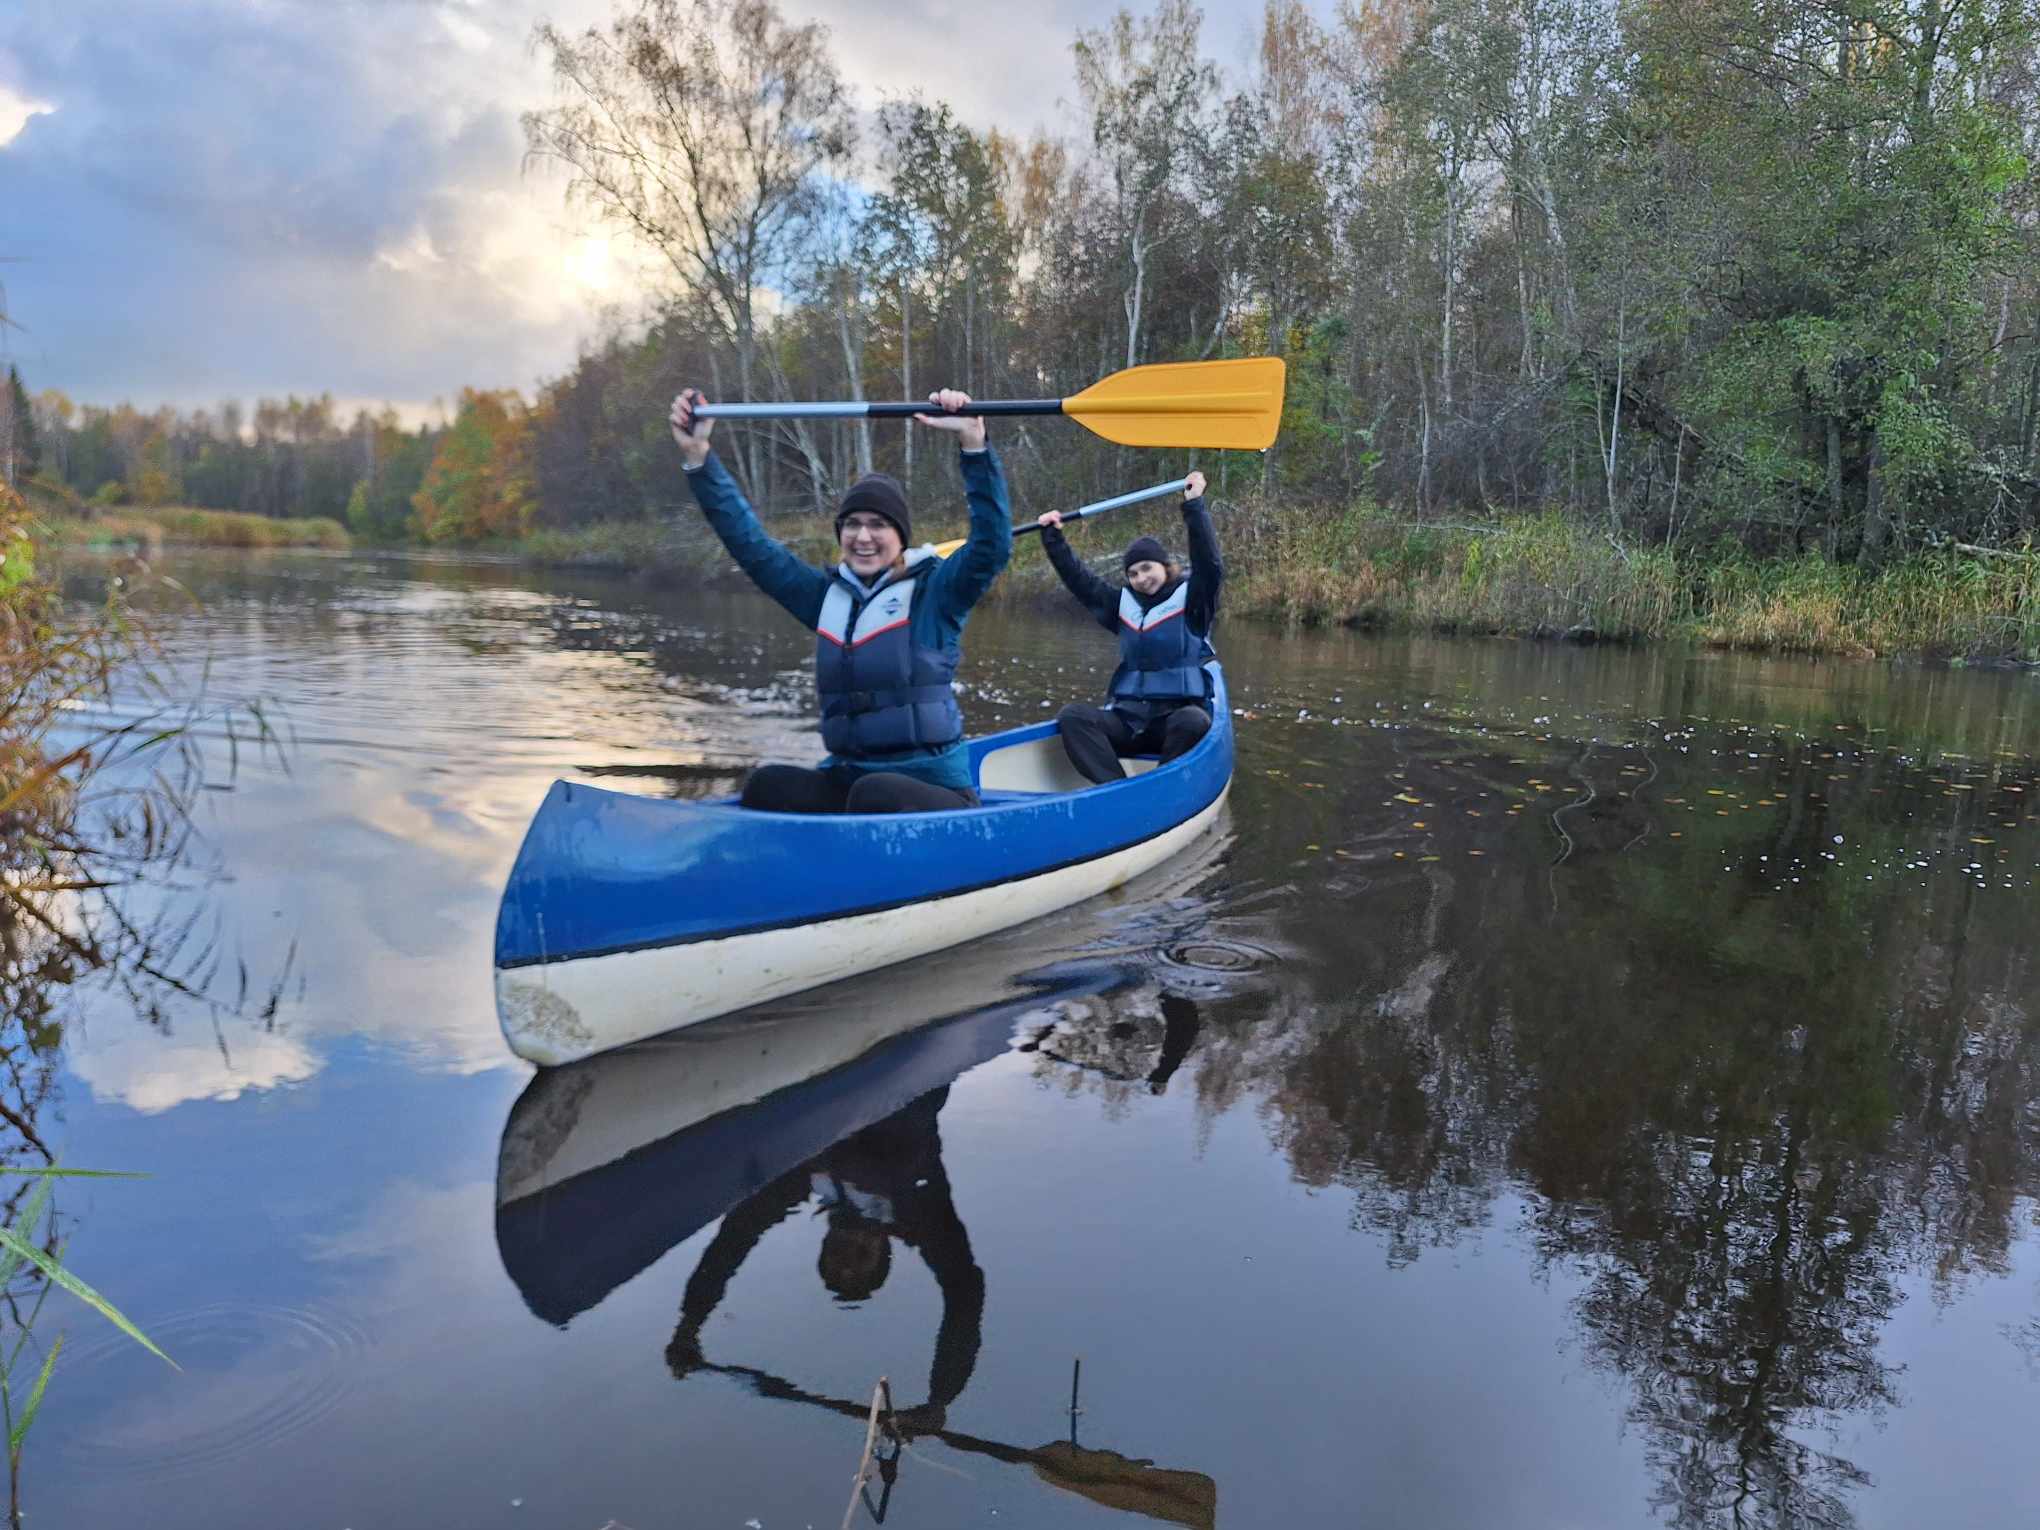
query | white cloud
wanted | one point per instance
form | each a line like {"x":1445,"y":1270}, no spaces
{"x":14,"y":114}
{"x":121,"y":1059}
{"x":466,"y":34}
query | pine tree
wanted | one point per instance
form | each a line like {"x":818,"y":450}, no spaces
{"x":25,"y":452}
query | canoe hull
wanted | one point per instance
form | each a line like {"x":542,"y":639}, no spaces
{"x":578,"y":1119}
{"x":627,"y":917}
{"x":563,"y":1011}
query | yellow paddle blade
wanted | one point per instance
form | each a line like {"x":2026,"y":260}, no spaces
{"x":1182,"y":1498}
{"x":1233,"y":405}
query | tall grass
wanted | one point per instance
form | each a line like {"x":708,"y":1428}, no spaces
{"x":1548,"y":574}
{"x":1935,"y":604}
{"x":1534,"y":574}
{"x":93,"y":804}
{"x":24,"y":1247}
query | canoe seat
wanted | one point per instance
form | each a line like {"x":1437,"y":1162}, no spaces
{"x":1039,"y":766}
{"x":1035,"y":766}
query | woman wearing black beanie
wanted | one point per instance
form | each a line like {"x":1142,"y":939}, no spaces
{"x":888,"y":623}
{"x":1160,"y":697}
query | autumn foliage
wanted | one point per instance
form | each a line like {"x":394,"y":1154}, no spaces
{"x":479,"y":485}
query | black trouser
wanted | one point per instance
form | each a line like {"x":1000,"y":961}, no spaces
{"x":797,"y":789}
{"x":1096,"y":737}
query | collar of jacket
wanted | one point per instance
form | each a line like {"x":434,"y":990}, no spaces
{"x":918,"y":561}
{"x":1149,"y":602}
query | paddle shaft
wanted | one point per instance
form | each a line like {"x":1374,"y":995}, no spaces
{"x":1153,"y":491}
{"x":851,"y":410}
{"x":1135,"y":497}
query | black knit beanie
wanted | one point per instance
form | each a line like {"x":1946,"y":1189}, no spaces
{"x":1144,"y":550}
{"x":878,"y":494}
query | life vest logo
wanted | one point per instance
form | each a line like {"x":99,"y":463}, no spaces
{"x":891,"y":607}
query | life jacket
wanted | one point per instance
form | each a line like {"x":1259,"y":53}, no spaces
{"x":881,"y":692}
{"x":1160,"y":658}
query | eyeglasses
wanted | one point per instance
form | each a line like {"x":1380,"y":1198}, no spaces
{"x":871,"y":523}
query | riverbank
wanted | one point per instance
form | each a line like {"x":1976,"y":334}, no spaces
{"x":1522,"y":576}
{"x":151,"y":529}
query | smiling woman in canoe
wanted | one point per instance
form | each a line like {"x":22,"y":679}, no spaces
{"x":888,"y":624}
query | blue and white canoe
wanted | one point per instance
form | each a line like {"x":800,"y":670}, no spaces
{"x":625,"y":917}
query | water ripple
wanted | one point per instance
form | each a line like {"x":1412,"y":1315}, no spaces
{"x":252,"y":1377}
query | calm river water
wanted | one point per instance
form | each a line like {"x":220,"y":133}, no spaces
{"x":1578,"y":1088}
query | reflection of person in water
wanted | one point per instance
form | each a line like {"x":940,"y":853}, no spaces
{"x":878,"y":1184}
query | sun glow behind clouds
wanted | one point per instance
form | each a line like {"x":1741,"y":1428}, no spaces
{"x":15,"y":112}
{"x":588,"y":262}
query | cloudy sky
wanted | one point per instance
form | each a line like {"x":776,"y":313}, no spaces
{"x":204,"y":199}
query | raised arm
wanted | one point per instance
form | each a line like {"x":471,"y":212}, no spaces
{"x":1093,"y":593}
{"x":742,"y":1227}
{"x":797,"y":586}
{"x":965,"y":576}
{"x":1207,"y":568}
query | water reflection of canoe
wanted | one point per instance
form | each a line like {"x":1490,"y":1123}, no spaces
{"x":606,"y":1164}
{"x":626,"y":916}
{"x":567,"y":1243}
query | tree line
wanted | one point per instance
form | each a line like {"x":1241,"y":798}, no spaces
{"x":1738,"y":274}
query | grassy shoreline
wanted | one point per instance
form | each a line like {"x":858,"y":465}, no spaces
{"x":151,"y":529}
{"x":1529,"y":576}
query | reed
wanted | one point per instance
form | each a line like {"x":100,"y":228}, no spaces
{"x":1549,"y":574}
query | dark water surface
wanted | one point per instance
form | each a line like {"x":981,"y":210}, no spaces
{"x":1578,"y":1088}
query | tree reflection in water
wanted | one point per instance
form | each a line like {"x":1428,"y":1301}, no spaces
{"x":1746,"y":1086}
